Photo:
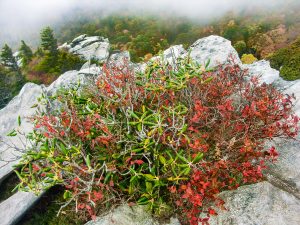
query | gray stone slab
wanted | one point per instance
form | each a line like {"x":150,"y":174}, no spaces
{"x":12,"y":209}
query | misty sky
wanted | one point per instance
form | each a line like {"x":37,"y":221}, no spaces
{"x":21,"y":19}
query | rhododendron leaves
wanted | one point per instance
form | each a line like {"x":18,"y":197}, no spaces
{"x":171,"y":138}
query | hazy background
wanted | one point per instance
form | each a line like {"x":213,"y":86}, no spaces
{"x":23,"y":19}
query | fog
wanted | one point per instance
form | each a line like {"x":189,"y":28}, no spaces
{"x":23,"y":19}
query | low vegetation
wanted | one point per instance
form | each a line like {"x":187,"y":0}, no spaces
{"x":171,"y":137}
{"x":10,"y":84}
{"x":248,"y":59}
{"x":287,"y":61}
{"x":42,"y":66}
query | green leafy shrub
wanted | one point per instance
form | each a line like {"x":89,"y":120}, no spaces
{"x":287,"y":61}
{"x":11,"y":83}
{"x":170,"y":138}
{"x":63,"y":62}
{"x":240,"y":47}
{"x":248,"y":59}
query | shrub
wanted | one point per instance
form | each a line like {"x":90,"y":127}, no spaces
{"x":40,"y":70}
{"x":248,"y":59}
{"x":287,"y":60}
{"x":11,"y":83}
{"x":240,"y":47}
{"x":171,"y":138}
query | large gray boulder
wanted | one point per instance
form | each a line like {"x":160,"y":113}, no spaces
{"x":89,"y":48}
{"x":10,"y":147}
{"x":258,"y":204}
{"x":126,"y":215}
{"x":215,"y":49}
{"x":12,"y":209}
{"x":262,"y":69}
{"x":172,"y":54}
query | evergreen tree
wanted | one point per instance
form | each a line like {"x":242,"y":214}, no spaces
{"x":48,"y":42}
{"x":25,"y":53}
{"x":7,"y":58}
{"x":49,"y":50}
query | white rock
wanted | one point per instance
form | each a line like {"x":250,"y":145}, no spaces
{"x":86,"y":65}
{"x":94,"y":47}
{"x":64,"y":46}
{"x":18,"y":106}
{"x":65,"y":80}
{"x":14,"y":207}
{"x":214,"y":48}
{"x":91,"y":70}
{"x":258,"y":204}
{"x":263,"y":69}
{"x":120,"y":58}
{"x":125,"y":215}
{"x":172,"y":54}
{"x":288,"y":165}
{"x":79,"y":39}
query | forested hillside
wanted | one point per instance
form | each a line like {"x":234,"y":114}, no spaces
{"x":260,"y":33}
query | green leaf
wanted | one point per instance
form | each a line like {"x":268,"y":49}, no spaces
{"x":139,"y":126}
{"x":184,"y":128}
{"x":34,"y":106}
{"x":17,"y":187}
{"x":12,"y":133}
{"x":19,"y":175}
{"x":67,"y":194}
{"x":182,"y":158}
{"x":207,"y":80}
{"x":162,"y":159}
{"x":150,"y":177}
{"x":149,"y":187}
{"x":30,"y":167}
{"x":133,"y":115}
{"x":143,"y":201}
{"x":107,"y":177}
{"x":198,"y":157}
{"x":63,"y":149}
{"x":19,"y":120}
{"x":88,"y":161}
{"x":186,"y":171}
{"x":207,"y":63}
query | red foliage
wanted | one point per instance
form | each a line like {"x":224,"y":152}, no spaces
{"x":229,"y":120}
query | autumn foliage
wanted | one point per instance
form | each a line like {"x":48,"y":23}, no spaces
{"x":171,"y":137}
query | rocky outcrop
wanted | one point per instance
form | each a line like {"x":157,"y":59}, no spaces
{"x":12,"y":209}
{"x":172,"y":54}
{"x":215,"y":49}
{"x":273,"y":202}
{"x":258,"y":204}
{"x":89,"y":47}
{"x":125,"y":215}
{"x":19,"y":106}
{"x":263,"y":69}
